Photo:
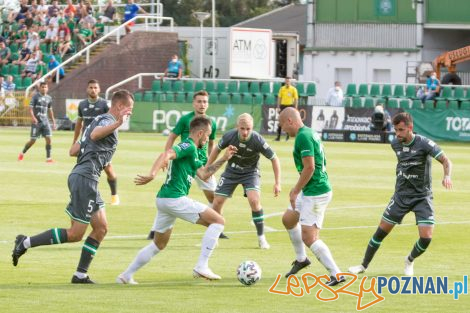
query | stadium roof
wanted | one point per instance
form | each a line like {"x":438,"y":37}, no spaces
{"x":291,"y":18}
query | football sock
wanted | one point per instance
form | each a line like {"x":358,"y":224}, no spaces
{"x":143,"y":257}
{"x":49,"y":237}
{"x":209,"y":241}
{"x":373,"y":246}
{"x":258,"y":219}
{"x":113,"y":186}
{"x":26,"y":147}
{"x":323,"y":254}
{"x":88,"y":253}
{"x":419,"y":248}
{"x":48,"y":151}
{"x":295,"y":235}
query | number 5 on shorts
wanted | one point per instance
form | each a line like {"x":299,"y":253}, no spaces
{"x":90,"y":206}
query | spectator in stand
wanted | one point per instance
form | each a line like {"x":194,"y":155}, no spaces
{"x":33,"y":42}
{"x":91,"y":21}
{"x":5,"y":54}
{"x":21,"y":14}
{"x":2,"y":95}
{"x":24,"y":55}
{"x":65,"y":46}
{"x":108,"y":13}
{"x":29,"y":20}
{"x":130,"y":11}
{"x":54,"y":19}
{"x":53,"y":64}
{"x":70,"y":10}
{"x":40,"y":19}
{"x":31,"y":68}
{"x":51,"y":36}
{"x":432,"y":88}
{"x":9,"y":86}
{"x":33,"y":7}
{"x":85,"y":35}
{"x":53,"y":8}
{"x":42,"y":7}
{"x":335,"y":95}
{"x":63,"y":30}
{"x":22,"y":35}
{"x":175,"y":68}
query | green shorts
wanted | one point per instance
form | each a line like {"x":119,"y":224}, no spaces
{"x":85,"y":198}
{"x":401,"y":205}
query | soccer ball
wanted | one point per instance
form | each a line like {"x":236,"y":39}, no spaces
{"x":166,"y":132}
{"x":248,"y":273}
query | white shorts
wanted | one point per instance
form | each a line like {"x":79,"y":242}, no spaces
{"x":210,"y":184}
{"x":312,"y":208}
{"x":171,"y":208}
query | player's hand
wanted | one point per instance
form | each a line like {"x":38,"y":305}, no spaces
{"x":35,"y":120}
{"x":447,"y":182}
{"x":54,"y":126}
{"x":143,"y":179}
{"x":292,"y":197}
{"x":276,"y":189}
{"x":124,"y":115}
{"x":229,"y":152}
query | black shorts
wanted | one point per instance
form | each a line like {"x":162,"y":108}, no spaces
{"x":227,"y":185}
{"x":400,"y":205}
{"x":40,"y":129}
{"x":85,"y":198}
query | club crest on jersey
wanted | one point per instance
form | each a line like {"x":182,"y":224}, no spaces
{"x":242,"y":145}
{"x":406,"y":149}
{"x":184,"y":145}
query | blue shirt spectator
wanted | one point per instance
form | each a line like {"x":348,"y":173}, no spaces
{"x":53,"y":63}
{"x":8,"y":85}
{"x":432,"y":88}
{"x":175,"y":68}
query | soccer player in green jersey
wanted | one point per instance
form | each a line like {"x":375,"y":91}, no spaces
{"x":97,"y":147}
{"x":413,"y":191}
{"x":309,"y":197}
{"x":173,"y":202}
{"x":200,"y":106}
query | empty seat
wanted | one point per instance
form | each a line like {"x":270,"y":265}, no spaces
{"x":429,"y":104}
{"x":405,"y":104}
{"x":417,"y":104}
{"x":351,"y":90}
{"x":392,"y":104}
{"x":453,"y":105}
{"x":398,"y":91}
{"x":441,"y":105}
{"x":369,"y":102}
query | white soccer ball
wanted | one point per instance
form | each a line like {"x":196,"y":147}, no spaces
{"x":166,"y":132}
{"x":248,"y":273}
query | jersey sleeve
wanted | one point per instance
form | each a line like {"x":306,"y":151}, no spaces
{"x":49,"y":105}
{"x":32,"y":104}
{"x":178,"y":129}
{"x":214,"y":130}
{"x":296,"y":93}
{"x":305,"y":145}
{"x":433,"y":149}
{"x":264,"y":147}
{"x":184,"y":149}
{"x":80,"y":113}
{"x":105,"y":122}
{"x":224,"y":141}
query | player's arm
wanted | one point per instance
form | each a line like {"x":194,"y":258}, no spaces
{"x":161,"y":162}
{"x":74,"y":149}
{"x":277,"y":175}
{"x":33,"y":118}
{"x":170,"y":141}
{"x":213,"y":155}
{"x":51,"y":115}
{"x":447,"y":167}
{"x":207,"y":171}
{"x":101,"y":132}
{"x":77,"y":130}
{"x":210,"y":146}
{"x":306,"y":174}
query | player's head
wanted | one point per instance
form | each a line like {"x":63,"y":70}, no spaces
{"x":287,"y":80}
{"x":43,"y":88}
{"x":290,"y":121}
{"x":403,"y":124}
{"x":122,"y":99}
{"x":200,"y":129}
{"x":244,"y":126}
{"x":93,"y":89}
{"x":201,"y":102}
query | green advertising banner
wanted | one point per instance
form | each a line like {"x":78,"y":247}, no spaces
{"x":157,"y":117}
{"x":452,"y":125}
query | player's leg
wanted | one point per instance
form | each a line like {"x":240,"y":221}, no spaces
{"x":112,"y":182}
{"x":392,"y":216}
{"x":290,"y":219}
{"x":48,"y":139}
{"x":223,"y":191}
{"x":312,"y":213}
{"x":33,"y":137}
{"x":164,"y":225}
{"x":424,"y":214}
{"x":257,"y":214}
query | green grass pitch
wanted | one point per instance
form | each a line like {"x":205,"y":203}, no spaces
{"x":33,"y":196}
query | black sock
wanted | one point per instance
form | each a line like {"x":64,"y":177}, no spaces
{"x":52,"y":236}
{"x":113,"y":186}
{"x":419,"y":248}
{"x":26,"y":147}
{"x":88,"y":252}
{"x":373,"y":246}
{"x":48,"y":151}
{"x":258,"y":219}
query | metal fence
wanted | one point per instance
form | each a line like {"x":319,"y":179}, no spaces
{"x":14,"y":110}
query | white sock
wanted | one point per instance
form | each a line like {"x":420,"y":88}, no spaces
{"x":27,"y":243}
{"x":323,"y":254}
{"x":209,"y":241}
{"x":295,"y":235}
{"x":81,"y":275}
{"x":143,"y":257}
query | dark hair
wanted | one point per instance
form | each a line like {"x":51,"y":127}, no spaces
{"x":287,"y":77}
{"x":200,"y":93}
{"x":403,"y":117}
{"x":121,"y":96}
{"x":42,"y":83}
{"x":199,"y":122}
{"x":93,"y":81}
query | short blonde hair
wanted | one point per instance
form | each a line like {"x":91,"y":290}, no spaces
{"x":244,"y":117}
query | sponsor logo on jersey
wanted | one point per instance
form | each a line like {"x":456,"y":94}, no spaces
{"x":184,"y":145}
